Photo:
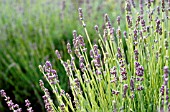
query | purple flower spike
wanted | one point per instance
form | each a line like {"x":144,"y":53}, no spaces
{"x":118,"y":20}
{"x":166,"y":71}
{"x":132,"y":88}
{"x":96,"y":28}
{"x":29,"y":109}
{"x":140,"y":87}
{"x":125,"y":34}
{"x":112,"y":31}
{"x":80,"y":13}
{"x":113,"y":71}
{"x":129,"y":21}
{"x":133,"y":3}
{"x":3,"y":93}
{"x":48,"y":64}
{"x":119,"y":54}
{"x":91,"y":54}
{"x":141,"y":6}
{"x":58,"y":54}
{"x":136,"y":54}
{"x":128,"y":7}
{"x":106,"y":18}
{"x":74,"y":34}
{"x":139,"y":71}
{"x":125,"y":87}
{"x":69,"y":48}
{"x":81,"y":41}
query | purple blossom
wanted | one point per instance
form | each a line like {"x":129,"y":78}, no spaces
{"x":80,"y":13}
{"x":62,"y":92}
{"x":48,"y":64}
{"x":69,"y":48}
{"x":166,"y":70}
{"x":141,"y":34}
{"x":81,"y":59}
{"x":125,"y":87}
{"x":111,"y":31}
{"x":46,"y":97}
{"x":149,"y":3}
{"x":27,"y":103}
{"x":97,"y":60}
{"x":139,"y":71}
{"x":108,"y":25}
{"x":106,"y":18}
{"x":118,"y":32}
{"x":82,"y":67}
{"x":74,"y":34}
{"x":105,"y":34}
{"x":137,"y":64}
{"x":143,"y":23}
{"x":132,"y":84}
{"x":163,"y":5}
{"x":166,"y":73}
{"x":29,"y":108}
{"x":91,"y":54}
{"x":135,"y":34}
{"x":115,"y":92}
{"x":58,"y":54}
{"x":132,"y":96}
{"x":140,"y":87}
{"x":48,"y":107}
{"x":81,"y":41}
{"x":133,"y":3}
{"x":125,"y":34}
{"x":162,"y":89}
{"x":119,"y":54}
{"x":77,"y":82}
{"x":95,"y":47}
{"x":51,"y":74}
{"x":62,"y":107}
{"x":123,"y":73}
{"x":165,"y":87}
{"x":19,"y":110}
{"x":129,"y":21}
{"x":141,"y":6}
{"x":128,"y":6}
{"x":3,"y":93}
{"x":113,"y":71}
{"x":118,"y":20}
{"x":136,"y":54}
{"x":96,"y":28}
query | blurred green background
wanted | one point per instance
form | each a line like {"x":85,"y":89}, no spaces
{"x":31,"y":30}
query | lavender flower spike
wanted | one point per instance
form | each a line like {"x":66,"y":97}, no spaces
{"x":58,"y":54}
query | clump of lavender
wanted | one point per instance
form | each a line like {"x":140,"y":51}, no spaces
{"x":99,"y":75}
{"x":115,"y":73}
{"x":121,"y":72}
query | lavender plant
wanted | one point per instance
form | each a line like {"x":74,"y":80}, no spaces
{"x":126,"y":71}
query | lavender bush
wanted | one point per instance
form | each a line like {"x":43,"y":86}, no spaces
{"x":123,"y":71}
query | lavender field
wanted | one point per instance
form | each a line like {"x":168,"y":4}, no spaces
{"x":85,"y":56}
